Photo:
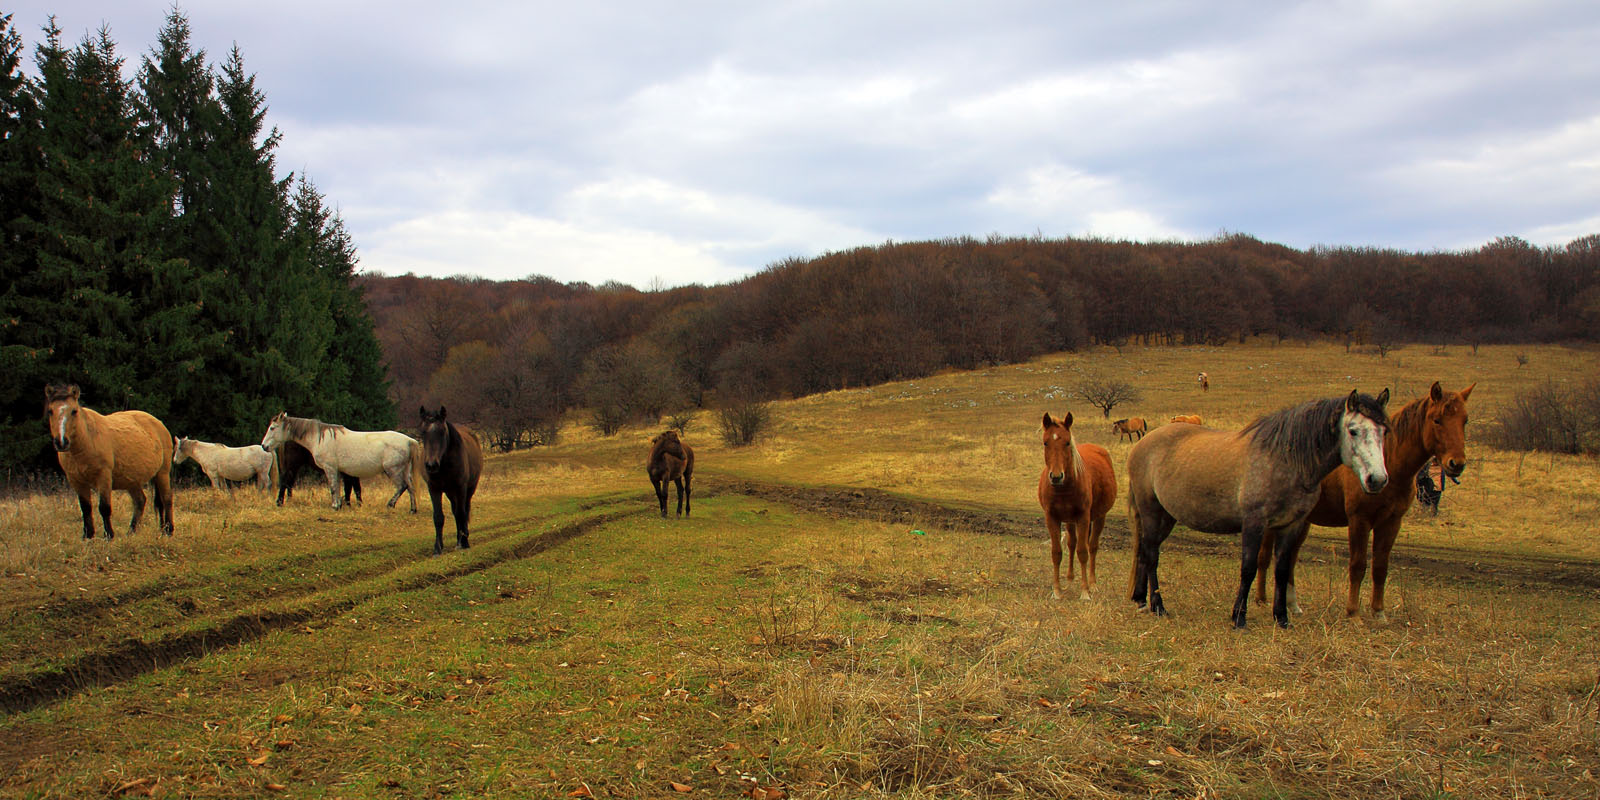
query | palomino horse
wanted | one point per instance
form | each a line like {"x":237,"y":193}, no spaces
{"x":671,"y":460}
{"x":1428,"y":427}
{"x":104,"y":452}
{"x":1078,"y":487}
{"x":1130,"y":427}
{"x":338,"y":450}
{"x":293,"y":457}
{"x":1263,"y":480}
{"x":1192,"y":419}
{"x":452,"y":460}
{"x":1204,"y":380}
{"x":223,"y":463}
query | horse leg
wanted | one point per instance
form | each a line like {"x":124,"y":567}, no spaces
{"x":88,"y":513}
{"x":1358,"y":564}
{"x":1080,"y":546}
{"x":163,"y":483}
{"x":1269,"y":544}
{"x":1249,"y":560}
{"x":461,"y":507}
{"x":104,"y":490}
{"x":1289,"y":542}
{"x":1383,"y":538}
{"x":1095,"y":527}
{"x":688,"y":491}
{"x":137,"y":496}
{"x":438,"y":519}
{"x":1054,"y":526}
{"x":661,"y":493}
{"x":401,"y":482}
{"x":678,"y":482}
{"x":335,"y":484}
{"x":1150,"y":553}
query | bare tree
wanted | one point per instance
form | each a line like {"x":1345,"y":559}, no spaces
{"x":1105,"y":393}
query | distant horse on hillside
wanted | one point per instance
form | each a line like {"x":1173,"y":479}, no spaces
{"x":1204,"y":380}
{"x":338,"y":450}
{"x":1433,"y":426}
{"x":293,"y":457}
{"x":452,"y":460}
{"x":101,"y":453}
{"x":223,"y":463}
{"x":1263,"y":480}
{"x":1131,"y":427}
{"x":671,"y":460}
{"x":1076,"y":487}
{"x":1192,"y":419}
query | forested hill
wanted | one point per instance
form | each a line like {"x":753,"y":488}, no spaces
{"x":516,"y":352}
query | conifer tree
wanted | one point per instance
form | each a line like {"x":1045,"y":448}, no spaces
{"x":21,"y":359}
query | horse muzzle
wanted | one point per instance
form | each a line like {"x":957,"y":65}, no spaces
{"x":1058,"y":478}
{"x":1374,"y":484}
{"x":1454,"y":468}
{"x":61,"y":445}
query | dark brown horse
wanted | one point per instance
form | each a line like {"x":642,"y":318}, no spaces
{"x":293,"y":457}
{"x":671,"y":460}
{"x":1428,"y":427}
{"x":1131,"y":428}
{"x":1076,"y":487}
{"x":104,"y":452}
{"x":452,"y":460}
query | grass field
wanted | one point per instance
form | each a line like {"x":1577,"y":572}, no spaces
{"x":859,"y":607}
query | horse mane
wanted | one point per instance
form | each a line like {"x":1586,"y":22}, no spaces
{"x":302,"y":427}
{"x":1409,"y":418}
{"x":1306,"y":433}
{"x":665,"y":444}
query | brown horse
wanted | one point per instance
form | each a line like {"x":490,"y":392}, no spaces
{"x":1078,"y":487}
{"x":104,"y":452}
{"x":671,"y":460}
{"x":293,"y":457}
{"x":1204,"y":380}
{"x":1192,"y":419}
{"x":452,"y":460}
{"x":1425,"y":428}
{"x":1131,"y":427}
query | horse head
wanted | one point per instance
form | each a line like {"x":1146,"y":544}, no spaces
{"x":180,"y":449}
{"x":1362,"y":425}
{"x":1059,"y":452}
{"x":435,"y":436}
{"x":1444,"y":433}
{"x":61,"y":414}
{"x":277,"y":431}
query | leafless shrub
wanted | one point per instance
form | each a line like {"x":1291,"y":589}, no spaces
{"x":1106,"y":393}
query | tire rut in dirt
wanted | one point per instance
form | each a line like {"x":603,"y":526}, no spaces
{"x":134,"y":657}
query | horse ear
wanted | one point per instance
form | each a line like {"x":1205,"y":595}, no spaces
{"x":1047,"y":420}
{"x":1067,"y":423}
{"x":441,"y":413}
{"x":1383,"y":397}
{"x":1350,"y":402}
{"x":72,"y":392}
{"x":1467,"y":391}
{"x":422,"y":412}
{"x":1436,"y":392}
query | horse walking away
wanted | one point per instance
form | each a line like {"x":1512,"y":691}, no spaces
{"x":293,"y":457}
{"x":1204,"y":380}
{"x":1430,"y":427}
{"x":671,"y":460}
{"x":1191,"y":419}
{"x":1261,"y":481}
{"x":337,"y":450}
{"x":1130,"y":428}
{"x":452,"y":460}
{"x":1077,"y":487}
{"x":101,"y":453}
{"x":222,"y":463}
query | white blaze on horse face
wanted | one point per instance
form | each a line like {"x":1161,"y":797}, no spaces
{"x":1361,"y":449}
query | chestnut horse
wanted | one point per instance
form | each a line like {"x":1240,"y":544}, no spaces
{"x":1076,"y":487}
{"x":1204,"y":380}
{"x":104,"y":452}
{"x":1425,"y":428}
{"x":1261,"y":481}
{"x":1192,"y":419}
{"x":671,"y":460}
{"x":452,"y":460}
{"x":1130,"y":427}
{"x":293,"y":457}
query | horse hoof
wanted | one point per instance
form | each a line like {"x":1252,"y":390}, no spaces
{"x":1379,"y":616}
{"x":1084,"y":596}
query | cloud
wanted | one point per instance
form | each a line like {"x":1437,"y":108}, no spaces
{"x":1059,"y":200}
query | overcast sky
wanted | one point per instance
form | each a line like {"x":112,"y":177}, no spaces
{"x":663,"y":143}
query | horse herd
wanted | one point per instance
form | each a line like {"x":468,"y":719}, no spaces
{"x":1341,"y":461}
{"x":1331,"y":462}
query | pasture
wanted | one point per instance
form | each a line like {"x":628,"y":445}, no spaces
{"x":860,"y":606}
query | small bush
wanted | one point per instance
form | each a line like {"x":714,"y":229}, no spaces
{"x":741,"y":423}
{"x":607,"y":419}
{"x":681,"y":421}
{"x":1551,"y":419}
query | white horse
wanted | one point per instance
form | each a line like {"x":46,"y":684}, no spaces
{"x":362,"y":454}
{"x":221,"y":462}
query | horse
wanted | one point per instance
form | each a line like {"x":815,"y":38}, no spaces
{"x":1130,"y":427}
{"x":452,"y":460}
{"x":671,"y":460}
{"x":1262,"y":481}
{"x":293,"y":457}
{"x":1204,"y":380}
{"x":105,"y":452}
{"x":338,"y":450}
{"x":1078,"y":487}
{"x":223,"y":463}
{"x":1432,"y":426}
{"x":1191,"y":419}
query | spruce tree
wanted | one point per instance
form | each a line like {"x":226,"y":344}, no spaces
{"x":22,"y":361}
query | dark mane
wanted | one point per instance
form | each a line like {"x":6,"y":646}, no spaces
{"x":1307,"y":434}
{"x":301,"y":427}
{"x":666,"y":443}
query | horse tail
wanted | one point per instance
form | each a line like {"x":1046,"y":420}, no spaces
{"x":273,"y":471}
{"x":416,"y":471}
{"x":1133,"y":536}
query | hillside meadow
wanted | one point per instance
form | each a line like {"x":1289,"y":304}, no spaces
{"x":858,"y":607}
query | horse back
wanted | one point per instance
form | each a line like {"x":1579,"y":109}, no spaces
{"x":139,"y":446}
{"x":471,"y":457}
{"x":1195,"y":474}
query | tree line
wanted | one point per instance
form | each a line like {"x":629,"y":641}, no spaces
{"x":153,"y":255}
{"x":516,"y":354}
